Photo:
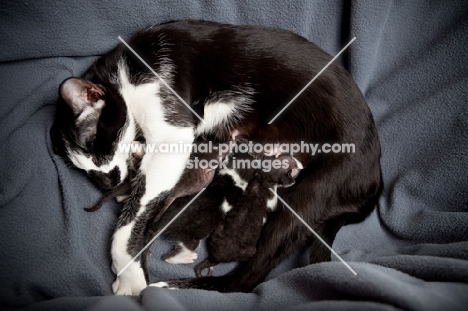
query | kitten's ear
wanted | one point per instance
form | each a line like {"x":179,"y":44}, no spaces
{"x":82,"y":95}
{"x":294,"y":168}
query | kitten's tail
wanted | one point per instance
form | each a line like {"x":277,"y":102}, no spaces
{"x":203,"y":265}
{"x":121,"y":189}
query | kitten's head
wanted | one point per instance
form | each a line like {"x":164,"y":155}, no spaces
{"x":285,"y":175}
{"x":91,"y":121}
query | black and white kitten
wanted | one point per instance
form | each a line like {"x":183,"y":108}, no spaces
{"x":236,"y":78}
{"x":235,"y":237}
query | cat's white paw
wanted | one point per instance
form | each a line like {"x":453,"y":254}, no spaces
{"x":131,"y":282}
{"x":162,"y":285}
{"x":123,"y":286}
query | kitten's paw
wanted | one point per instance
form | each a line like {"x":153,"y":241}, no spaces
{"x":184,"y":257}
{"x":180,"y":254}
{"x":131,"y":282}
{"x":275,"y":151}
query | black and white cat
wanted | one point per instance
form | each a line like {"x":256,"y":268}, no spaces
{"x":236,"y":78}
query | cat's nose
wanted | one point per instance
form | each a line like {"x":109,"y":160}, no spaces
{"x":106,"y":181}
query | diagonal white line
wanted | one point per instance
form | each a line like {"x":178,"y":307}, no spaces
{"x":312,"y":230}
{"x":316,"y":76}
{"x":161,"y":79}
{"x":161,"y":231}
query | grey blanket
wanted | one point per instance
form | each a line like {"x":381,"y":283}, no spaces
{"x":409,"y":60}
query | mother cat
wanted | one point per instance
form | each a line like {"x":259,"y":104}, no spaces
{"x":236,"y":78}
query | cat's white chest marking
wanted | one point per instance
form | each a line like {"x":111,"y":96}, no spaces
{"x":144,"y":105}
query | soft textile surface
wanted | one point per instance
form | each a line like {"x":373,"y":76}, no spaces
{"x":410,"y":61}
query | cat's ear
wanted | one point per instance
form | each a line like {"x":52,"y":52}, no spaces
{"x":82,"y":95}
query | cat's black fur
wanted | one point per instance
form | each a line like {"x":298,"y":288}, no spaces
{"x":260,"y":69}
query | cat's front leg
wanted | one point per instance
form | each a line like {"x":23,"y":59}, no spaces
{"x":159,"y":174}
{"x":127,"y":242}
{"x":130,"y":278}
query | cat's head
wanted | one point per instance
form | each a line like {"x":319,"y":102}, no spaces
{"x":90,"y":124}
